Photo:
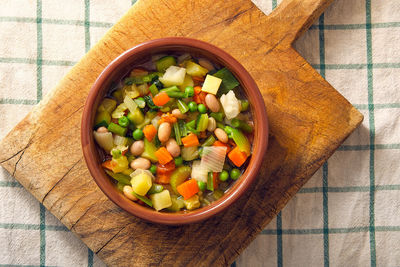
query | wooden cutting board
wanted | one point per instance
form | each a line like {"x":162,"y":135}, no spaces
{"x":308,"y":120}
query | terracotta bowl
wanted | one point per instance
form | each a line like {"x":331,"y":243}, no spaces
{"x":116,"y":70}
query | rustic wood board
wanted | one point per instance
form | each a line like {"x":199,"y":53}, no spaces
{"x":308,"y":120}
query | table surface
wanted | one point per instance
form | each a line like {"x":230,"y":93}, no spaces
{"x":349,"y":212}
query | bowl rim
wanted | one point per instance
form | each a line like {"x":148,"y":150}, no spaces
{"x":239,"y":187}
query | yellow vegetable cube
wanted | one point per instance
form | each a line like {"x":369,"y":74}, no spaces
{"x":161,"y":200}
{"x":141,"y":183}
{"x":194,"y":69}
{"x":192,"y":203}
{"x":120,"y":165}
{"x":211,"y":84}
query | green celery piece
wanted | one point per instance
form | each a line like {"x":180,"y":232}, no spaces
{"x":191,"y":124}
{"x":170,"y":89}
{"x":174,"y":94}
{"x":136,"y":117}
{"x":210,"y":182}
{"x":182,"y":128}
{"x":209,"y":141}
{"x":115,"y":128}
{"x":149,"y":151}
{"x":155,"y":188}
{"x":121,"y":178}
{"x":144,"y":199}
{"x":120,"y":186}
{"x":183,"y":107}
{"x":239,"y":138}
{"x":134,"y":80}
{"x":179,"y":176}
{"x":177,"y":203}
{"x":218,"y":116}
{"x":241,"y":125}
{"x":177,"y":133}
{"x":153,"y":89}
{"x":217,"y":194}
{"x":202,"y":122}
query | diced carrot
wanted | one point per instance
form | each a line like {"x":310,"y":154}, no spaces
{"x":161,"y":99}
{"x":200,"y":98}
{"x":167,"y":168}
{"x":215,"y":180}
{"x":188,"y":188}
{"x":163,"y":178}
{"x":190,"y":140}
{"x":237,"y":157}
{"x":163,"y":155}
{"x":109,"y":164}
{"x":149,"y":132}
{"x":167,"y":117}
{"x":219,"y":143}
{"x":197,"y":90}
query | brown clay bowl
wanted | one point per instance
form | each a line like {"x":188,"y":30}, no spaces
{"x":119,"y":67}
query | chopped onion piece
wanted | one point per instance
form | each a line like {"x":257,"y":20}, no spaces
{"x":230,"y":104}
{"x":198,"y":172}
{"x":139,"y":171}
{"x":104,"y":140}
{"x":119,"y":111}
{"x":131,"y":105}
{"x":213,"y":158}
{"x":120,"y":140}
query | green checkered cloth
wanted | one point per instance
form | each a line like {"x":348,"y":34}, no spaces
{"x":347,"y":214}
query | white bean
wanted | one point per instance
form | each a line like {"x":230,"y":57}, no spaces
{"x":137,"y":148}
{"x":173,"y":147}
{"x":164,"y":131}
{"x":102,"y":129}
{"x":140,"y":163}
{"x":177,"y":114}
{"x":212,"y":124}
{"x":206,"y":64}
{"x":128,"y":192}
{"x":212,"y":102}
{"x":221,"y":135}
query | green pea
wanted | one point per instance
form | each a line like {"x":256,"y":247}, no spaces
{"x":138,"y":134}
{"x":235,"y":174}
{"x":189,"y":91}
{"x":224,"y":176}
{"x":245,"y":105}
{"x":202,"y":185}
{"x":192,"y":106}
{"x":178,"y":161}
{"x":123,"y":121}
{"x":202,"y":108}
{"x":153,"y":169}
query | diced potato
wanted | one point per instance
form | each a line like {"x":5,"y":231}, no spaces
{"x":192,"y":203}
{"x":211,"y":84}
{"x":161,"y":200}
{"x":141,"y":183}
{"x":194,"y":69}
{"x":173,"y":76}
{"x":188,"y":81}
{"x":121,"y":164}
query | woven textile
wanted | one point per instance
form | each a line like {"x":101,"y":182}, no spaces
{"x":347,"y":214}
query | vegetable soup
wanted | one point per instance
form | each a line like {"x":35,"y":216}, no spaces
{"x":175,"y":133}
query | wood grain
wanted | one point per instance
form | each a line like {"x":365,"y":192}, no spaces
{"x":308,"y":120}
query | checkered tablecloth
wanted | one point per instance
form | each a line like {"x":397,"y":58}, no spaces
{"x":348,"y":214}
